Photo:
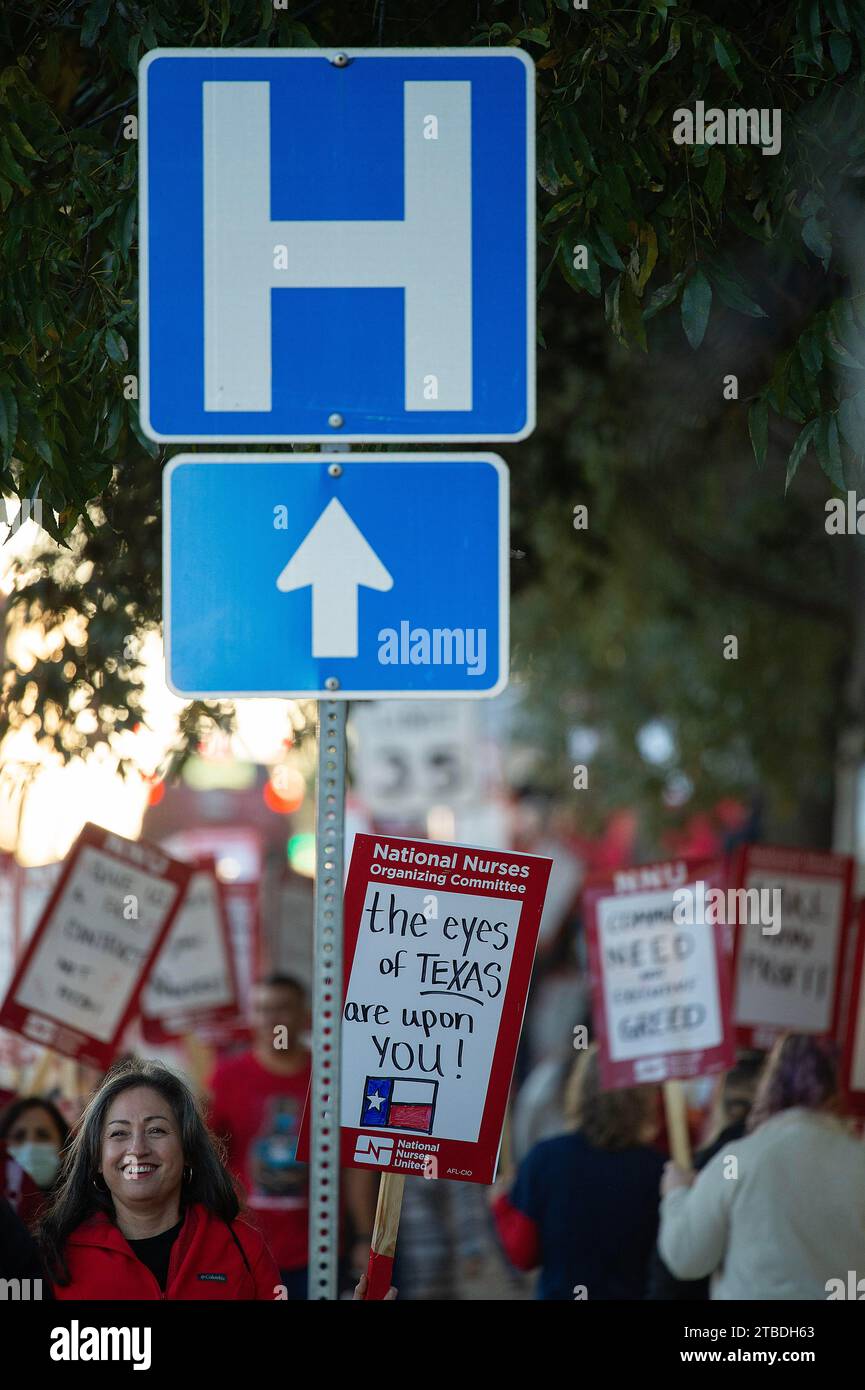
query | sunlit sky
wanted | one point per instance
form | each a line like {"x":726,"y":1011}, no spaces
{"x":60,"y":799}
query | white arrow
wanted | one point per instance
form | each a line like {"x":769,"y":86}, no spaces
{"x":335,"y":558}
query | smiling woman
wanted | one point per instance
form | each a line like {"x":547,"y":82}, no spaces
{"x":145,"y":1208}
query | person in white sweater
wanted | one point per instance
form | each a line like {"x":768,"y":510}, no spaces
{"x":779,"y":1214}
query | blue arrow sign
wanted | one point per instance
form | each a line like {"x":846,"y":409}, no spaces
{"x":338,"y":575}
{"x":337,"y":251}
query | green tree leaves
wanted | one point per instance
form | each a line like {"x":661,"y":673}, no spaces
{"x":8,"y":420}
{"x":677,"y":237}
{"x":696,"y":306}
{"x":758,"y":429}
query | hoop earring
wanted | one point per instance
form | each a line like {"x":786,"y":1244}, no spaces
{"x":189,"y":1179}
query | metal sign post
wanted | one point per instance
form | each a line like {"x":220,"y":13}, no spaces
{"x":327,"y":1001}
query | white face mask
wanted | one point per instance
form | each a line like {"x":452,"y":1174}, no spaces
{"x":40,"y":1161}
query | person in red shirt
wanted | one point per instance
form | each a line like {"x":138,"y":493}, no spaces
{"x":257,"y":1101}
{"x":145,"y":1208}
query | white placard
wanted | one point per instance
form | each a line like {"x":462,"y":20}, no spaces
{"x":660,"y":979}
{"x":788,"y":979}
{"x":88,"y":962}
{"x":192,"y":971}
{"x":425,"y":1031}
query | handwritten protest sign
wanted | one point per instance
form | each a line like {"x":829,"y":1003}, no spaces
{"x":659,"y":971}
{"x":238,"y":851}
{"x":853,"y":1060}
{"x":78,"y":982}
{"x":789,"y":952}
{"x":192,"y":983}
{"x":439,"y":945}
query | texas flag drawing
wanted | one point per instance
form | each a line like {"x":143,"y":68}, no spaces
{"x":399,"y":1102}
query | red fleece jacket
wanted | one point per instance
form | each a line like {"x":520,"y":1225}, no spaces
{"x":205,"y":1263}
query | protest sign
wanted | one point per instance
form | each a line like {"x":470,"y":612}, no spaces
{"x":9,"y":932}
{"x":659,"y":972}
{"x":286,"y":935}
{"x":239,"y":856}
{"x":439,"y":944}
{"x":790,"y":941}
{"x":78,"y":982}
{"x":853,"y":1060}
{"x":36,"y":883}
{"x":192,"y":984}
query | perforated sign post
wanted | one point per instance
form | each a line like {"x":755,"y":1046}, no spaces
{"x":336,"y":247}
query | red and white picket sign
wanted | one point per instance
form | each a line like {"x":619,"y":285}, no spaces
{"x":77,"y":985}
{"x":660,"y":974}
{"x":439,"y":945}
{"x":192,"y":985}
{"x":853,"y":1059}
{"x":790,"y":942}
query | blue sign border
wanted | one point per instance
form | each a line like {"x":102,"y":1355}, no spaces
{"x":335,"y":435}
{"x":346,"y":459}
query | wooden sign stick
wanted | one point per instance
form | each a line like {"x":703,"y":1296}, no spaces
{"x":677,"y":1123}
{"x":384,"y":1233}
{"x":42,"y":1069}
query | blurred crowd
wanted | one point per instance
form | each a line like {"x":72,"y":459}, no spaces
{"x":161,"y":1189}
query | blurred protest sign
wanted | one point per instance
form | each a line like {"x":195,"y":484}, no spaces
{"x":286,"y":937}
{"x":853,"y":1060}
{"x":8,"y":918}
{"x":238,"y":853}
{"x":78,"y":982}
{"x":659,"y":970}
{"x":36,"y":883}
{"x":192,"y":981}
{"x":790,"y":941}
{"x":440,"y":941}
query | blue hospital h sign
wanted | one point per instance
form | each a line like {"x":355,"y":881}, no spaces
{"x":337,"y":251}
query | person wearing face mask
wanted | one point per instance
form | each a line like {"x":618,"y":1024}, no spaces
{"x":34,"y":1134}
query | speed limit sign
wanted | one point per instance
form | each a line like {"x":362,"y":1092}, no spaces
{"x":413,"y":755}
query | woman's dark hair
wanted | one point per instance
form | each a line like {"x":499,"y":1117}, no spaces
{"x":16,"y":1108}
{"x":801,"y":1070}
{"x":82,"y":1193}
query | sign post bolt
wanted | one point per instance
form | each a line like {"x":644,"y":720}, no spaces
{"x":335,"y":420}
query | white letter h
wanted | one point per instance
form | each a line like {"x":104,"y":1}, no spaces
{"x":428,"y":254}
